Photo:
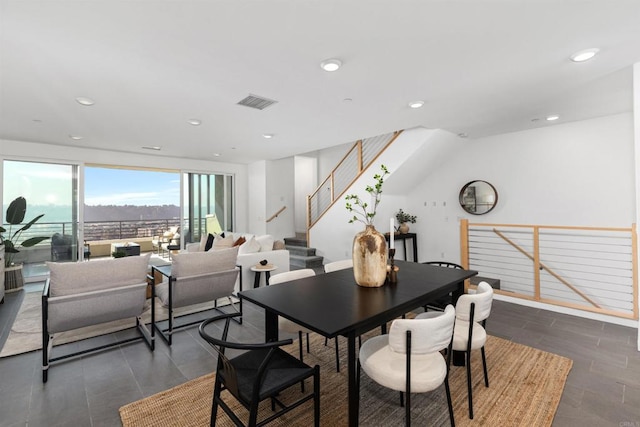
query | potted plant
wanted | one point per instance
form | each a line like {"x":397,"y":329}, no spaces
{"x":403,"y":218}
{"x":14,"y":217}
{"x":118,"y":254}
{"x":369,"y":246}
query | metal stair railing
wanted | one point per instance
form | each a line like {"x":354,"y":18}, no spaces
{"x":361,"y":155}
{"x":591,"y":269}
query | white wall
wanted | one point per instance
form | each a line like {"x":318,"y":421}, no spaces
{"x":579,"y":173}
{"x":305,"y":182}
{"x":636,"y":104}
{"x":257,"y":198}
{"x":280,"y":192}
{"x":332,"y":236}
{"x":328,"y":159}
{"x":20,"y":150}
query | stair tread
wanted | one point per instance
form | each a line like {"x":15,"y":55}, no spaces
{"x":300,"y":250}
{"x":294,"y":241}
{"x":306,"y":257}
{"x":302,"y":261}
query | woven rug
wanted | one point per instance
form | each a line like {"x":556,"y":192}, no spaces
{"x":26,"y":331}
{"x":525,"y":388}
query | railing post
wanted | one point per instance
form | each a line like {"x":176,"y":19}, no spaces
{"x":634,"y":269}
{"x":333,"y":195}
{"x":360,"y":165}
{"x":464,"y":248}
{"x":536,"y":263}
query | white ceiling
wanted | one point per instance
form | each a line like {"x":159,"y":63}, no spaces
{"x":482,"y":67}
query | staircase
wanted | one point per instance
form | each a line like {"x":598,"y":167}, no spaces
{"x":300,"y":256}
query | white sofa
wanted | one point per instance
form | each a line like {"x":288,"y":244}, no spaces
{"x":249,"y":255}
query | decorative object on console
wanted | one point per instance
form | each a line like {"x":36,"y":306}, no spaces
{"x":264,"y":262}
{"x":403,"y":218}
{"x":393,"y":270}
{"x":478,"y":197}
{"x":369,"y":246}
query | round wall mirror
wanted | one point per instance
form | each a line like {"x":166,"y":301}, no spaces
{"x":478,"y":197}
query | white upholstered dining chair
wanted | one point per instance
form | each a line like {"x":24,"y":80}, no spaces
{"x":338,"y":265}
{"x":342,"y":264}
{"x":472,"y":311}
{"x":408,"y":359}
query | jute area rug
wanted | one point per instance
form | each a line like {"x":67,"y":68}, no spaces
{"x":26,"y":331}
{"x":525,"y":388}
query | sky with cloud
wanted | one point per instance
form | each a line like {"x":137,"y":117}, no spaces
{"x":50,"y":184}
{"x":105,"y":186}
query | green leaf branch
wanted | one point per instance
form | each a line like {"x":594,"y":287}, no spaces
{"x":361,"y":210}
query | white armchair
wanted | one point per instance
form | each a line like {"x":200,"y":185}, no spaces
{"x":81,"y":294}
{"x":196,"y":278}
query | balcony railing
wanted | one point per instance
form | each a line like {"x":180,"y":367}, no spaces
{"x":101,"y":230}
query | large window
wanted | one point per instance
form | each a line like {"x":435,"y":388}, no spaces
{"x":50,"y":189}
{"x":208,"y":204}
{"x":129,"y":203}
{"x":118,"y":204}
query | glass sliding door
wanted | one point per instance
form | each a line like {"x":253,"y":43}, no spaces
{"x":208,"y":204}
{"x":50,"y":189}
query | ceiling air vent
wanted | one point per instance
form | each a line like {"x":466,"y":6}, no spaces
{"x":257,"y":102}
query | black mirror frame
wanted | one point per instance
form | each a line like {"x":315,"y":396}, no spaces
{"x":464,"y":188}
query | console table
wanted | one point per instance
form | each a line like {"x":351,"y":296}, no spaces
{"x":403,"y":237}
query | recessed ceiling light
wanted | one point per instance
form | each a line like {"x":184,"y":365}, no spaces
{"x":155,"y":147}
{"x":85,"y":101}
{"x":37,"y":121}
{"x":416,"y":104}
{"x":462,"y":135}
{"x":76,"y":137}
{"x":194,"y":122}
{"x":552,"y":117}
{"x":331,"y":64}
{"x":267,"y":135}
{"x":216,"y":154}
{"x":347,"y":100}
{"x":584,"y":55}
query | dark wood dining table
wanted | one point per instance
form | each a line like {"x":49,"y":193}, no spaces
{"x":333,"y":304}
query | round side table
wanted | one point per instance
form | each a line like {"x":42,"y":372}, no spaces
{"x":266,"y":269}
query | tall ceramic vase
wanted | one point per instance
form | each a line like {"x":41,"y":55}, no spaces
{"x":369,"y":258}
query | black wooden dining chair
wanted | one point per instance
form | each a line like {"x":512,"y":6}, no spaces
{"x":441,"y":302}
{"x":262,"y":372}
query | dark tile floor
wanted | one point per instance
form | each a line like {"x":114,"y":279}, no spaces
{"x":603,"y":388}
